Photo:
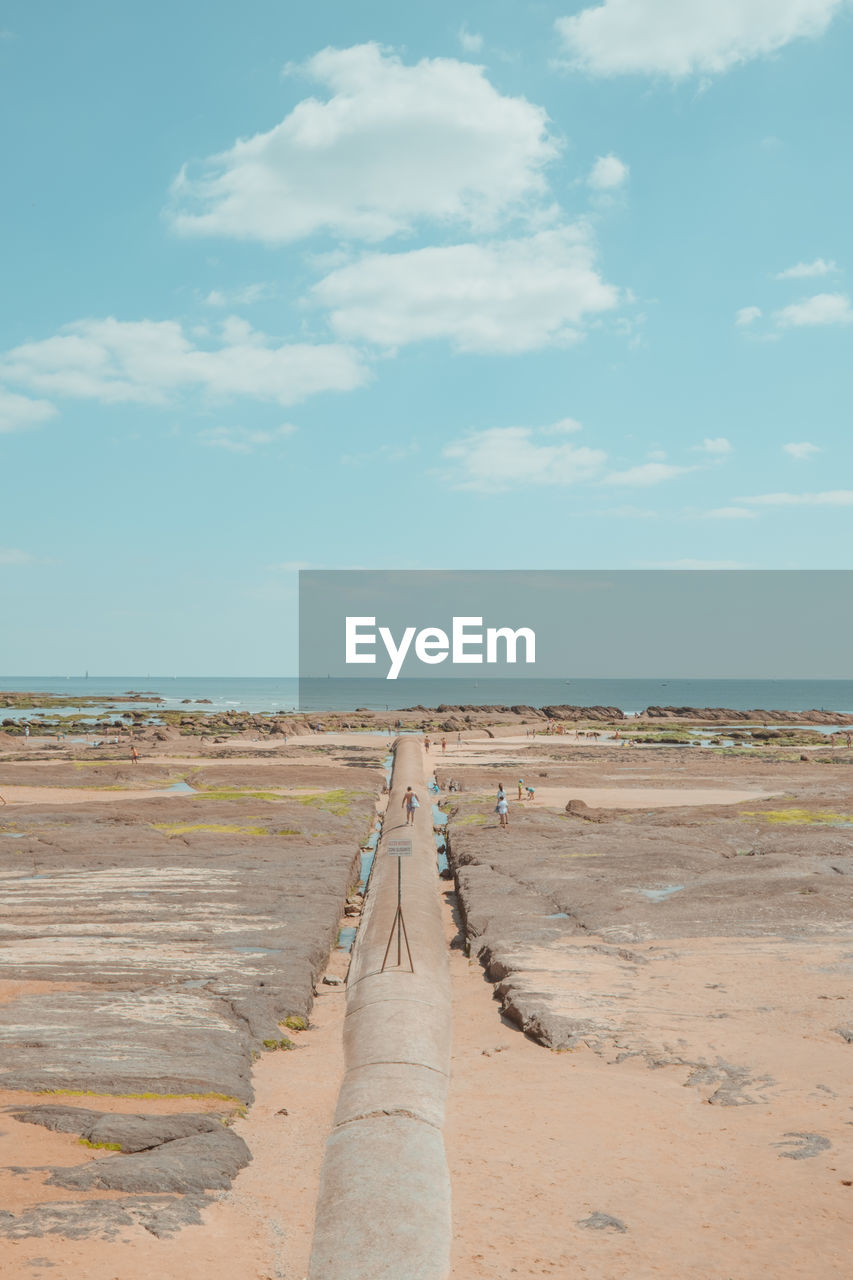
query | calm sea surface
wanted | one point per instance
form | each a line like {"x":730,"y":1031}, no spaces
{"x":288,"y":693}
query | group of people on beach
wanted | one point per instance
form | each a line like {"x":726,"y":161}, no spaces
{"x":502,"y":806}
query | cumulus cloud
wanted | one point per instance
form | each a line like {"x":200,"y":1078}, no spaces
{"x":806,"y":270}
{"x":822,"y":308}
{"x":502,"y":458}
{"x":717,"y":447}
{"x":152,"y":361}
{"x":504,"y":295}
{"x":802,"y":450}
{"x":242,"y":439}
{"x":829,"y":498}
{"x":678,"y":38}
{"x":747,"y":315}
{"x":17,"y":413}
{"x":647,"y":473}
{"x":471,"y":41}
{"x":607,"y":173}
{"x":391,"y":145}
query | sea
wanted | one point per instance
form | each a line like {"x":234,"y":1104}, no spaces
{"x":287,"y":693}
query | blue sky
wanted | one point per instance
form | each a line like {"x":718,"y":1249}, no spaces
{"x":545,"y":285}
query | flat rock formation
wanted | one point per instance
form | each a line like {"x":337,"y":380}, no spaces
{"x":154,"y":948}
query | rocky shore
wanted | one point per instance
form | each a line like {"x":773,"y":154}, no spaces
{"x":154,"y":724}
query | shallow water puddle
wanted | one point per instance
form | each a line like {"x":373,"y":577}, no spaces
{"x":368,"y":853}
{"x":439,"y":819}
{"x":658,"y":895}
{"x":346,"y":937}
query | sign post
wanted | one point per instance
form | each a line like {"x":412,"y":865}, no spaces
{"x":399,"y":849}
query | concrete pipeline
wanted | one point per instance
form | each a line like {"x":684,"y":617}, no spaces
{"x":383,"y":1208}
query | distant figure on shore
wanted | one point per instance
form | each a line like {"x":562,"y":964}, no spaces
{"x":850,"y":740}
{"x":501,"y":792}
{"x":520,"y":788}
{"x":411,"y":803}
{"x":502,"y":810}
{"x":134,"y":755}
{"x":443,"y":745}
{"x":26,"y":731}
{"x":426,"y":745}
{"x":459,"y":739}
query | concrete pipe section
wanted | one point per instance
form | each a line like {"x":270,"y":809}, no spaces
{"x":383,"y":1209}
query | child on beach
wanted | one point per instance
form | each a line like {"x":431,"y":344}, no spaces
{"x":411,"y":803}
{"x":502,"y":810}
{"x":531,"y":791}
{"x":520,"y":788}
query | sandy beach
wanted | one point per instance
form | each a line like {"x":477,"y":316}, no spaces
{"x":650,"y":1002}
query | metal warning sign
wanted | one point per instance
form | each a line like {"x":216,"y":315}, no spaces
{"x":399,"y":848}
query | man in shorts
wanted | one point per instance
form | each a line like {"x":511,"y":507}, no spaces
{"x":411,"y":803}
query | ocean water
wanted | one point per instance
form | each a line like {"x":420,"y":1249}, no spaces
{"x":270,"y":694}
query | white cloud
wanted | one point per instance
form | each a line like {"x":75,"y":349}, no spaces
{"x":17,"y":413}
{"x":823,"y":308}
{"x":502,"y":458}
{"x":150,"y":362}
{"x":829,"y":498}
{"x":646,"y":473}
{"x":471,"y":41}
{"x":679,"y":38}
{"x":238,"y":297}
{"x":718,"y":446}
{"x":747,"y":315}
{"x":242,"y":439}
{"x":801,"y":450}
{"x":730,"y":513}
{"x":391,"y":145}
{"x":505,"y":295}
{"x":607,"y":173}
{"x":566,"y":426}
{"x":805,"y":270}
{"x":13,"y":555}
